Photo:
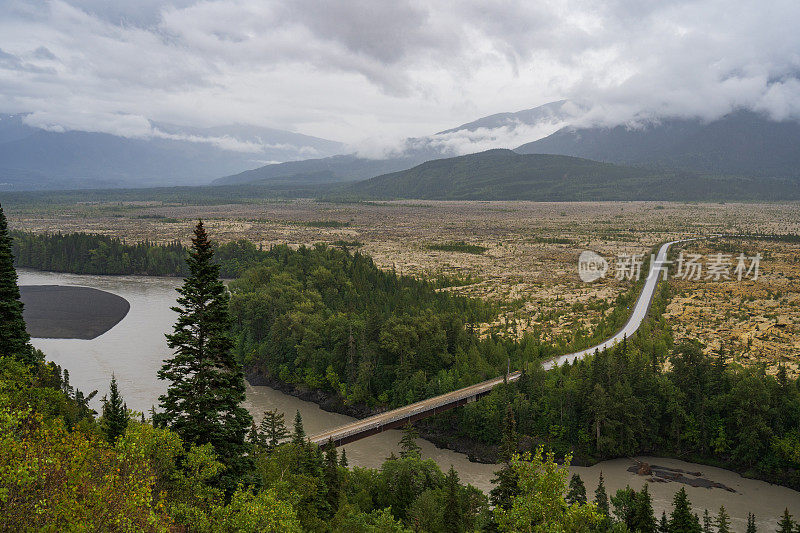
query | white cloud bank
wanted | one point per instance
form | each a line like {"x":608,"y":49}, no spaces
{"x":370,"y":72}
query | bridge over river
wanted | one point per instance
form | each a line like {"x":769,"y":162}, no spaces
{"x":399,"y":417}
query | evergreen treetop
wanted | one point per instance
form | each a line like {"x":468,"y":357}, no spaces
{"x":14,"y":338}
{"x":723,"y":521}
{"x":331,"y":477}
{"x":273,"y":429}
{"x":707,"y":522}
{"x":601,"y":497}
{"x":299,"y":434}
{"x":577,"y":491}
{"x":682,"y":520}
{"x":644,"y":519}
{"x":751,"y":523}
{"x":115,"y":413}
{"x":786,"y":524}
{"x":506,"y":484}
{"x":453,"y":508}
{"x":663,"y":525}
{"x":408,"y":443}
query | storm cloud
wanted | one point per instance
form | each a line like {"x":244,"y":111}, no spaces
{"x":371,"y":69}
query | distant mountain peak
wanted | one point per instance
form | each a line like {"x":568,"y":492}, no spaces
{"x":550,"y":112}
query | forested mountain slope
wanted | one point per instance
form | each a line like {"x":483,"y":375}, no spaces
{"x":742,"y":143}
{"x":506,"y":175}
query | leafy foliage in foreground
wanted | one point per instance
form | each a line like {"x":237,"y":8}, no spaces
{"x":60,"y":475}
{"x":55,"y":475}
{"x":540,"y":504}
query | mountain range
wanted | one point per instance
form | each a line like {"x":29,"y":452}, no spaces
{"x":35,"y":158}
{"x":411,"y":152}
{"x":674,"y":152}
{"x":508,"y":175}
{"x":742,"y":143}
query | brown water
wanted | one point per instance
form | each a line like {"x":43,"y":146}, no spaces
{"x":135,"y":348}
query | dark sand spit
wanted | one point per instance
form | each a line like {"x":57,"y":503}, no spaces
{"x":665,"y":474}
{"x":63,"y":312}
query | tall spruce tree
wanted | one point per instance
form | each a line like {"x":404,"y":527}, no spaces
{"x":577,"y":491}
{"x":644,"y":520}
{"x":408,"y":442}
{"x":506,"y":484}
{"x":115,"y":413}
{"x":601,"y":497}
{"x":14,"y":338}
{"x":786,"y":524}
{"x":707,"y":522}
{"x":331,"y":477}
{"x":203,"y":400}
{"x":299,"y":433}
{"x":253,"y":436}
{"x":723,"y":521}
{"x":682,"y":520}
{"x":453,"y":508}
{"x":663,"y":525}
{"x":751,"y":523}
{"x":273,"y":429}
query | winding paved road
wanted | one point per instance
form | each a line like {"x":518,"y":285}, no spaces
{"x":375,"y":424}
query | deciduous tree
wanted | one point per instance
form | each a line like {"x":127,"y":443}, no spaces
{"x":540,"y":503}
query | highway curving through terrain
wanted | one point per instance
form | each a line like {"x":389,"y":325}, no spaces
{"x":360,"y":429}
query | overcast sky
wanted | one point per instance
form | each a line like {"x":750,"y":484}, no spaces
{"x":366,"y":70}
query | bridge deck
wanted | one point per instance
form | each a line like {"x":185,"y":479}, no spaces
{"x":415,"y":411}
